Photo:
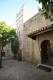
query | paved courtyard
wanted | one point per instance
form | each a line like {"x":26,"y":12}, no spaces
{"x":14,"y":70}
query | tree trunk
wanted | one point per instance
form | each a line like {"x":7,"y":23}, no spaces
{"x":1,"y":56}
{"x":0,"y":61}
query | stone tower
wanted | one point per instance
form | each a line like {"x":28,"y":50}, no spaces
{"x":21,"y":17}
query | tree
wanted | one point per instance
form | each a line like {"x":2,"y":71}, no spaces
{"x":14,"y":42}
{"x":15,"y":46}
{"x":4,"y":34}
{"x":47,"y":8}
{"x":7,"y":34}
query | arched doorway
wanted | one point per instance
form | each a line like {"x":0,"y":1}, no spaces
{"x":45,"y":49}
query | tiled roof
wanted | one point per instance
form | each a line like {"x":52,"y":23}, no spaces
{"x":41,"y":31}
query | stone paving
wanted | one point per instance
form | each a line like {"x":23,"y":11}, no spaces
{"x":14,"y":70}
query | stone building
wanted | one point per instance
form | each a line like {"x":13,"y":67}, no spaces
{"x":38,"y":40}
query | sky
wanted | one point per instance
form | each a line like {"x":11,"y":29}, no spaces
{"x":9,"y":9}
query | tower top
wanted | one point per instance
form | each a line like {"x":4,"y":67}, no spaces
{"x":24,"y":12}
{"x":24,"y":7}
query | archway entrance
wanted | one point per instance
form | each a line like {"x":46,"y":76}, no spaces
{"x":45,"y":48}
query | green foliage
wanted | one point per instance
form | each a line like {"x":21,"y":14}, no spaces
{"x":4,"y":26}
{"x":47,"y":8}
{"x":15,"y":46}
{"x":14,"y":42}
{"x":12,"y":34}
{"x":6,"y":34}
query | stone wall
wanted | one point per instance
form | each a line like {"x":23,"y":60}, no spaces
{"x":7,"y":50}
{"x":27,"y":47}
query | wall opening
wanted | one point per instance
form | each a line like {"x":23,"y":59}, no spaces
{"x":45,"y":50}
